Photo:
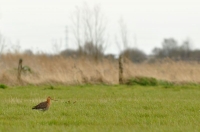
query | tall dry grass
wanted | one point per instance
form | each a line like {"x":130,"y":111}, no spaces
{"x":61,"y":70}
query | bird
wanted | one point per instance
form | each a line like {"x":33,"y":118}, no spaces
{"x":43,"y":105}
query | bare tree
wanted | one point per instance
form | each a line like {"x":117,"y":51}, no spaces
{"x":2,"y":44}
{"x":186,"y":48}
{"x":123,"y":40}
{"x":89,"y":27}
{"x":76,"y":26}
{"x":122,"y":44}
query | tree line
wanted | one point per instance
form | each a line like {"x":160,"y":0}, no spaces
{"x":90,"y":35}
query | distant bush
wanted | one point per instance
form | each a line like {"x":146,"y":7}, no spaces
{"x":148,"y":81}
{"x":50,"y":88}
{"x":3,"y":86}
{"x":26,"y":69}
{"x":165,"y":84}
{"x":144,"y":81}
{"x":135,"y":55}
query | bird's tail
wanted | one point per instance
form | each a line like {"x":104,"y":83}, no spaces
{"x":34,"y":108}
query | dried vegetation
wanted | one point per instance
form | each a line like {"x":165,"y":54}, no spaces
{"x":60,"y":70}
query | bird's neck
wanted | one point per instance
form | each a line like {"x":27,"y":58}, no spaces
{"x":48,"y":101}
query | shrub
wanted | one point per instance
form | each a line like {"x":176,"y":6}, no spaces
{"x":166,"y":84}
{"x":50,"y":88}
{"x":3,"y":86}
{"x":144,"y":81}
{"x":26,"y":69}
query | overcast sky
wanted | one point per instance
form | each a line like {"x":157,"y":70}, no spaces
{"x":35,"y":24}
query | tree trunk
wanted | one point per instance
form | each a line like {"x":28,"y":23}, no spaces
{"x":19,"y":71}
{"x":121,"y":69}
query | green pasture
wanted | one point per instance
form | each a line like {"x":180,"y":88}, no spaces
{"x":102,"y":108}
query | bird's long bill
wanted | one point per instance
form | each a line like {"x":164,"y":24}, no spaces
{"x":54,"y":99}
{"x":51,"y":98}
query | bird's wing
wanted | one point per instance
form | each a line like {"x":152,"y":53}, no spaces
{"x":40,"y":106}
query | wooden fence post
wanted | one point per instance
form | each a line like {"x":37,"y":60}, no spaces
{"x":121,"y":69}
{"x":19,"y":70}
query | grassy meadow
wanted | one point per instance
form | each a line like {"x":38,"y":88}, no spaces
{"x":101,"y":108}
{"x":89,"y":97}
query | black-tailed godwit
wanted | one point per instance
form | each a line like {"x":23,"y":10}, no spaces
{"x":43,"y":105}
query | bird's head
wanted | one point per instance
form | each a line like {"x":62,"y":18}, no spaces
{"x":49,"y":98}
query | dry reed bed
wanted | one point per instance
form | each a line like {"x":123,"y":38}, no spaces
{"x":60,"y":70}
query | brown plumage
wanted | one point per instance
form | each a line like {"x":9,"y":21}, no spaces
{"x":43,"y":105}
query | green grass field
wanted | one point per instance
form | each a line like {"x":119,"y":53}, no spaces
{"x":101,"y":108}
